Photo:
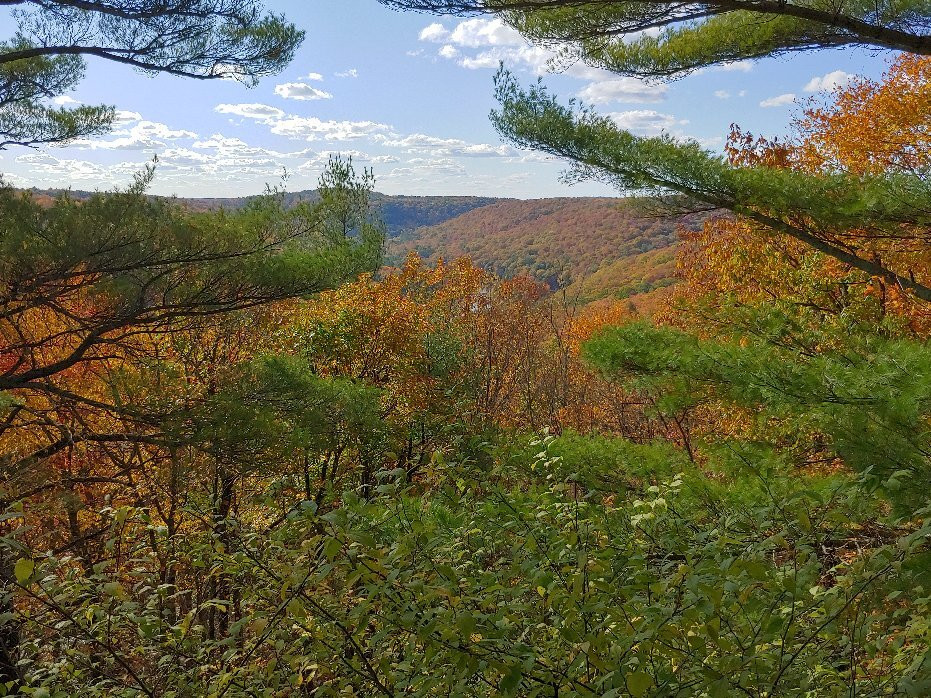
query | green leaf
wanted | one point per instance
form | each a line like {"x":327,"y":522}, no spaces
{"x":332,"y":548}
{"x":23,"y":569}
{"x":511,"y":680}
{"x":466,"y":624}
{"x":115,"y":589}
{"x":638,"y":683}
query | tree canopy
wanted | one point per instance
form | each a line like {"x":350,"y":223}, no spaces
{"x":238,"y":458}
{"x":202,"y":39}
{"x":822,"y":208}
{"x":668,"y":39}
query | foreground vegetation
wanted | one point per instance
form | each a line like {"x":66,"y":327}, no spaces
{"x":239,"y":459}
{"x":222,"y":479}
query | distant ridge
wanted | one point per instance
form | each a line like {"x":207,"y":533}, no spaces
{"x":593,"y":248}
{"x":400,"y":213}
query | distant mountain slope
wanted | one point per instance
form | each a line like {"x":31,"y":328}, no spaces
{"x":400,"y":213}
{"x":595,"y":248}
{"x":560,"y":241}
{"x":628,"y":276}
{"x":405,"y":213}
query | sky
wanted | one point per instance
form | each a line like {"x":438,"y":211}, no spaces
{"x":407,"y":95}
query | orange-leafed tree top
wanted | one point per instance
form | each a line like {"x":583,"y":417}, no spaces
{"x":869,"y":127}
{"x":873,"y":126}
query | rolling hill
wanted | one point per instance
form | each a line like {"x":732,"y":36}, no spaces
{"x":400,"y":213}
{"x":593,"y":247}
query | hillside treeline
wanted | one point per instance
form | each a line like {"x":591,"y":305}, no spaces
{"x":558,"y":241}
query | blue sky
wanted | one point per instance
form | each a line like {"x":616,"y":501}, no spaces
{"x":407,"y":95}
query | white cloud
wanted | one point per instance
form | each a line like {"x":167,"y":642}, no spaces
{"x":445,"y":147}
{"x":143,"y":135}
{"x":124,"y":117}
{"x":231,"y":159}
{"x":154,"y":129}
{"x":779,"y":101}
{"x":711,"y":143}
{"x":64,"y":101}
{"x":501,"y":43}
{"x":181,"y":157}
{"x":218,"y":141}
{"x":738,"y":66}
{"x":722,"y":94}
{"x":622,"y":90}
{"x":37,"y":159}
{"x":435,"y":32}
{"x":647,"y":122}
{"x":485,"y":32}
{"x":259,"y":112}
{"x":831,"y":81}
{"x":487,"y":59}
{"x":227,"y":148}
{"x":425,"y":170}
{"x":300,"y":91}
{"x":308,"y":128}
{"x":534,"y":58}
{"x":319,"y":160}
{"x":313,"y":76}
{"x":69,"y":170}
{"x":311,"y":128}
{"x":498,"y":41}
{"x":538,"y":157}
{"x":351,"y":73}
{"x":217,"y":158}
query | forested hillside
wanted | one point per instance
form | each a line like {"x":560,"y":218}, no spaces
{"x":596,"y":247}
{"x":560,"y":242}
{"x":628,"y":276}
{"x":241,"y":457}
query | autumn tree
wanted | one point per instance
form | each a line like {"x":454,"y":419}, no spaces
{"x":201,"y":39}
{"x":89,"y":318}
{"x":735,"y":575}
{"x":869,"y":127}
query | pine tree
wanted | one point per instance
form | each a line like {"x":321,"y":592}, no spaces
{"x":668,"y":39}
{"x":821,"y":209}
{"x":201,"y":39}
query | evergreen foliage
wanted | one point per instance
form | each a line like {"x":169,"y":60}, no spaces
{"x":822,"y":210}
{"x":667,"y":39}
{"x":238,"y":459}
{"x":204,"y":39}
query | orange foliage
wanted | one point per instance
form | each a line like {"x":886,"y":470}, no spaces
{"x":870,"y":127}
{"x":455,"y":344}
{"x":375,"y":331}
{"x":555,"y":241}
{"x":873,"y":127}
